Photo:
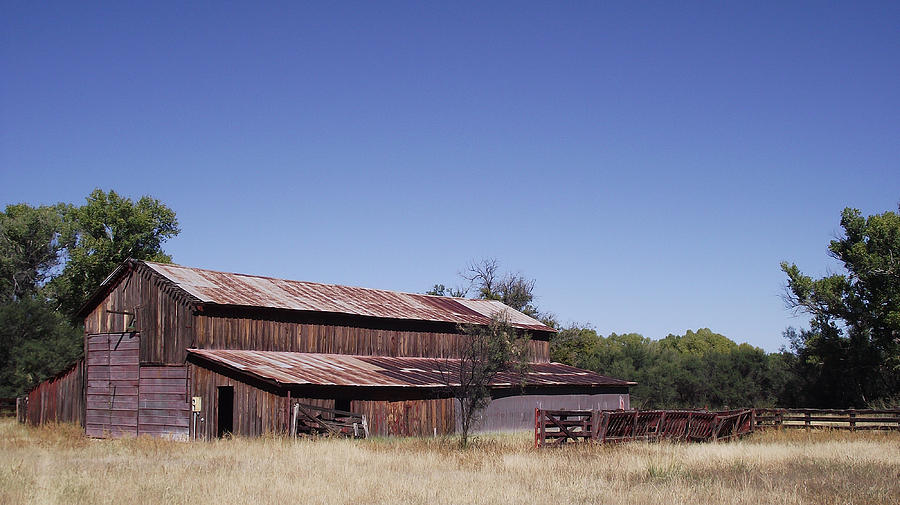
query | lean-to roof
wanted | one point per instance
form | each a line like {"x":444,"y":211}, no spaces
{"x":296,"y":368}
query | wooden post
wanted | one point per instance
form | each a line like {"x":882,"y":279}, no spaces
{"x":21,"y":409}
{"x":595,"y":424}
{"x":537,"y":430}
{"x":807,"y":421}
{"x":294,"y":411}
{"x":604,"y":425}
{"x":752,"y":420}
{"x":634,"y":426}
{"x":852,"y":419}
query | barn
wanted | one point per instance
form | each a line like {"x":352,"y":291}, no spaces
{"x":192,"y":353}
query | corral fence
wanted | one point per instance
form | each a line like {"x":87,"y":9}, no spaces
{"x":557,"y":427}
{"x":847,"y":419}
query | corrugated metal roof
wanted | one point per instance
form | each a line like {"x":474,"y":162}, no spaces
{"x":296,"y":368}
{"x":221,"y":288}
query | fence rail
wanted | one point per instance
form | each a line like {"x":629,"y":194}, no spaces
{"x":847,"y":419}
{"x":557,"y":427}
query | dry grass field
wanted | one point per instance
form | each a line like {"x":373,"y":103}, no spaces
{"x":58,"y":465}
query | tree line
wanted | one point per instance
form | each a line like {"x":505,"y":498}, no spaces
{"x":52,"y":257}
{"x":848,"y":357}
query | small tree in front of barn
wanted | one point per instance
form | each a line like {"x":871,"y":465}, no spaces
{"x":486,"y":352}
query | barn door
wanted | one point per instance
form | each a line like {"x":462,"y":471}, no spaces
{"x":113,"y":374}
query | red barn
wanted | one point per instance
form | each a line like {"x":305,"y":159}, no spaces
{"x":246,"y":348}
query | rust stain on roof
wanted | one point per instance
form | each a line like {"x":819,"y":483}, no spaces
{"x":211,"y":287}
{"x":296,"y":368}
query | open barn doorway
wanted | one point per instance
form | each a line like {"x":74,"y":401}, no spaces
{"x":225,"y":417}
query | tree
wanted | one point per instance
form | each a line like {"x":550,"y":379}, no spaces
{"x":441,"y":290}
{"x":852,"y":350}
{"x":514,"y":290}
{"x":36,"y":342}
{"x":486,"y":351}
{"x":106,"y":231}
{"x":31,"y":246}
{"x":701,"y":342}
{"x":485,"y":279}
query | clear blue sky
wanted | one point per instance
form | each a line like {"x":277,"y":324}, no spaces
{"x":649,"y":165}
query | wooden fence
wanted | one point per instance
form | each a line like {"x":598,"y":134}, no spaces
{"x":58,"y":399}
{"x":557,"y":427}
{"x":849,"y":419}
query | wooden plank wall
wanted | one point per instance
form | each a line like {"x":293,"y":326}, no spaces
{"x":59,"y":399}
{"x":164,"y":405}
{"x":420,"y":418}
{"x":264,"y":335}
{"x":113,"y":375}
{"x":256,"y":412}
{"x":168,"y":326}
{"x":162,"y":316}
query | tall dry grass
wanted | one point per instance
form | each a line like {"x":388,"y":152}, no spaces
{"x":58,"y":465}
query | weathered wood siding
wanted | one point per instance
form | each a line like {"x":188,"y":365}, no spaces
{"x":408,"y":417}
{"x":164,"y":405}
{"x":161,"y":314}
{"x":59,"y":399}
{"x":256,"y":411}
{"x":112,"y":375}
{"x":168,"y":325}
{"x":260,"y":409}
{"x":266,"y":335}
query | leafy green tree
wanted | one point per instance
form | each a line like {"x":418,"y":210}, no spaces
{"x":106,"y":231}
{"x":36,"y":342}
{"x":701,"y":342}
{"x":851,"y":352}
{"x":31,"y":247}
{"x":698,"y":369}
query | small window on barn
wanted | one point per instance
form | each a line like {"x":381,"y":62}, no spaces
{"x":342,"y":404}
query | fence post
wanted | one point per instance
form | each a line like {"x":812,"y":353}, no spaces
{"x":21,"y":403}
{"x":595,"y":424}
{"x":604,"y":427}
{"x":852,"y":420}
{"x":807,"y":420}
{"x":537,"y":432}
{"x":752,"y":420}
{"x":634,"y":426}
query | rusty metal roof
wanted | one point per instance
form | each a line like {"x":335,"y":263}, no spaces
{"x":297,"y":368}
{"x":210,"y":287}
